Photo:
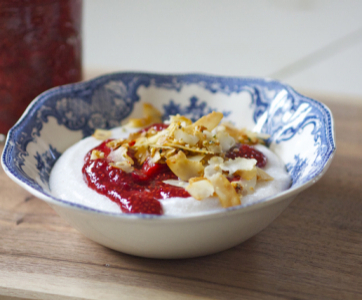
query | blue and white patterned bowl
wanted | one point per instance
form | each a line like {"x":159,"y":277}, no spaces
{"x":301,"y":130}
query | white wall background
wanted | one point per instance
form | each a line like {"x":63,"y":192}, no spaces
{"x":314,"y":45}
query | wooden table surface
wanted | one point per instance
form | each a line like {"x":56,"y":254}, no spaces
{"x":313,"y":250}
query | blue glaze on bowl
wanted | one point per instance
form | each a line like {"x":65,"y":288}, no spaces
{"x":301,"y":129}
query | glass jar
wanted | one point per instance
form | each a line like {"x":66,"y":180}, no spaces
{"x":40,"y":47}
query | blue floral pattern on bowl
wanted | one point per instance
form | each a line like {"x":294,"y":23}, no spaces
{"x":63,"y":115}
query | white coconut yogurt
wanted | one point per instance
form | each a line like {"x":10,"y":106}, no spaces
{"x":67,"y":183}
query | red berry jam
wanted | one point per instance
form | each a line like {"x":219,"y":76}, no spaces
{"x":241,"y":150}
{"x":40,"y":47}
{"x":135,"y":192}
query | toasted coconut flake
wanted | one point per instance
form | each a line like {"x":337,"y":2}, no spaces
{"x":180,"y":134}
{"x":162,"y":147}
{"x":195,"y":150}
{"x":141,"y":141}
{"x":96,"y":155}
{"x":256,"y":137}
{"x":183,"y":167}
{"x":141,"y":154}
{"x":138,"y":123}
{"x":248,"y":185}
{"x":247,"y":175}
{"x":120,"y":155}
{"x":226,"y":141}
{"x":261,"y":175}
{"x":115,"y":143}
{"x":150,"y":111}
{"x":156,"y":157}
{"x":144,"y":141}
{"x":244,"y":136}
{"x":209,"y":121}
{"x":101,"y":134}
{"x":168,"y":153}
{"x":244,"y":167}
{"x":196,"y":179}
{"x":207,"y":135}
{"x":123,"y":165}
{"x":231,"y":130}
{"x":200,"y":188}
{"x":213,"y":167}
{"x":180,"y":119}
{"x":214,"y":148}
{"x":154,"y":139}
{"x":134,"y":135}
{"x":162,"y":139}
{"x":239,"y":164}
{"x":196,"y":157}
{"x":151,"y":115}
{"x":224,"y":191}
{"x":171,"y":129}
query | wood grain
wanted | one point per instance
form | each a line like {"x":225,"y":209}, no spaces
{"x":312,"y":251}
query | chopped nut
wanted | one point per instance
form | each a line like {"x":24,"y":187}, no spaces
{"x":224,"y":190}
{"x":183,"y":167}
{"x":200,"y":188}
{"x":238,"y":187}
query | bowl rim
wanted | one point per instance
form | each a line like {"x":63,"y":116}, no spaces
{"x":243,"y":208}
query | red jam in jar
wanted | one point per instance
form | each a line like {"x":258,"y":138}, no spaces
{"x":40,"y":47}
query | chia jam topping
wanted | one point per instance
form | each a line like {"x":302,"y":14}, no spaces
{"x":140,"y":190}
